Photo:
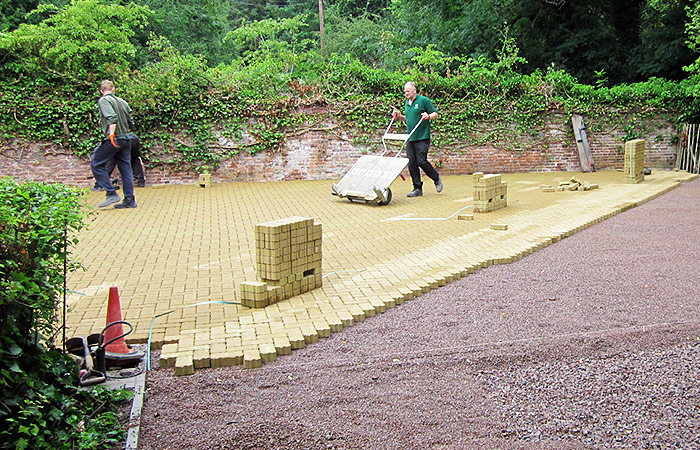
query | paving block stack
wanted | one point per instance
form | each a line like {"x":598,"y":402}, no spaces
{"x":634,"y":161}
{"x":288,"y":261}
{"x":205,"y":180}
{"x":572,"y":185}
{"x":490,"y":193}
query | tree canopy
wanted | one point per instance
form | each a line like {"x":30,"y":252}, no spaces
{"x":595,"y":41}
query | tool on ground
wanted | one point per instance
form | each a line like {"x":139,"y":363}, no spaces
{"x":369,"y":179}
{"x":88,"y":375}
{"x":93,"y":358}
{"x":103,"y":356}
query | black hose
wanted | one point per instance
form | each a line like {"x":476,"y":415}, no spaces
{"x":102,"y":334}
{"x":101,"y":364}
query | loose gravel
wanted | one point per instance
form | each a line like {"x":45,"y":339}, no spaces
{"x":590,"y":343}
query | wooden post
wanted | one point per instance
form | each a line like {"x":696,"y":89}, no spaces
{"x":688,"y":146}
{"x":679,"y":150}
{"x":691,"y":146}
{"x":320,"y":20}
{"x":695,"y":150}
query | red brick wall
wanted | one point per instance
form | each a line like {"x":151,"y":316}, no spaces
{"x":320,"y":155}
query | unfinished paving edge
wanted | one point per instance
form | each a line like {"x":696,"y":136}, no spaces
{"x":279,"y":328}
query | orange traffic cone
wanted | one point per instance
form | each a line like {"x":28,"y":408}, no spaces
{"x":114,"y":314}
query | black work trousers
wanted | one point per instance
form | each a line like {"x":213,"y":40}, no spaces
{"x":417,"y":153}
{"x":136,"y":167}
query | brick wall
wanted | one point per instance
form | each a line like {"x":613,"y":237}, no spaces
{"x":322,"y":155}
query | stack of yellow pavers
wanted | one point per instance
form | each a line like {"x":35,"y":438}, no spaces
{"x":288,"y":261}
{"x":634,"y":161}
{"x":490,"y":193}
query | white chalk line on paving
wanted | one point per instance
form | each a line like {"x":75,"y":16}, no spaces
{"x":392,"y":219}
{"x":435,"y":352}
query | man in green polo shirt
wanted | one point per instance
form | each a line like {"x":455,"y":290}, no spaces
{"x":417,"y":108}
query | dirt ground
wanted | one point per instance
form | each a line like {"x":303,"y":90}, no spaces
{"x":592,"y":342}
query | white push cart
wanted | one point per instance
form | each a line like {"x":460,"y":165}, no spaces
{"x":369,"y":178}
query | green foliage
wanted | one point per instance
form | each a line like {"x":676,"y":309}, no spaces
{"x":630,"y":40}
{"x":40,"y":408}
{"x":194,"y":27}
{"x":271,"y":49}
{"x":48,"y":109}
{"x":86,"y":38}
{"x":359,"y":8}
{"x":33,"y":224}
{"x":363,"y":37}
{"x":191,"y":115}
{"x":12,"y":13}
{"x":179,"y":98}
{"x":662,"y":50}
{"x":693,"y":31}
{"x":431,"y":60}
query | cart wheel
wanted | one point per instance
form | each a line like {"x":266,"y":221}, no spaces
{"x":387,"y":196}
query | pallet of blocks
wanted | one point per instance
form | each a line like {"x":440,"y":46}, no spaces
{"x":634,"y":161}
{"x":288,"y":261}
{"x":490,"y":193}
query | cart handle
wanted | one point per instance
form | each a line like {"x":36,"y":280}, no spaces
{"x":409,"y":137}
{"x":393,"y":117}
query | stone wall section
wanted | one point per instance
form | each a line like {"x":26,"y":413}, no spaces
{"x":320,"y":155}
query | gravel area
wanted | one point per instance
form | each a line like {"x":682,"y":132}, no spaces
{"x":592,"y":342}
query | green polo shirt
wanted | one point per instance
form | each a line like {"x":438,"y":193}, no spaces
{"x":413,"y":112}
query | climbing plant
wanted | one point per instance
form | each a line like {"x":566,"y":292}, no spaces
{"x":192,"y":116}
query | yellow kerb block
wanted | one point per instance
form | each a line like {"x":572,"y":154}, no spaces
{"x":252,"y":359}
{"x":205,"y":180}
{"x":184,"y":364}
{"x":490,"y":193}
{"x":634,"y":161}
{"x":288,"y":261}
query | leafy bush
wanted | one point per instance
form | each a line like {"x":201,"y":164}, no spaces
{"x":86,"y":38}
{"x":34,"y":224}
{"x":40,"y":407}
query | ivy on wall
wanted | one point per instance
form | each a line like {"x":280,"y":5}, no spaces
{"x":192,"y":116}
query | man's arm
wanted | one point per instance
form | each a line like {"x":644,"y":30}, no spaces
{"x":111,"y":129}
{"x":107,"y":110}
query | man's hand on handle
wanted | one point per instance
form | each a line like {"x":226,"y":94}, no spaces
{"x":395,"y":114}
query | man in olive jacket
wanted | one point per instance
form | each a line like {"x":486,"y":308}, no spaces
{"x":116,"y":121}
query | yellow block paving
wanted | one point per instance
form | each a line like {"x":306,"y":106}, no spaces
{"x":185,"y":245}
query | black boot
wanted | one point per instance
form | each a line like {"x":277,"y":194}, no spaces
{"x":126,"y":204}
{"x":415,"y":193}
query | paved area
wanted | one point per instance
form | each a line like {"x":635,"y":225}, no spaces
{"x":180,"y":257}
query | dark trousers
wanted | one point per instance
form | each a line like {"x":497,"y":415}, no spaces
{"x":105,"y":153}
{"x":417,"y":153}
{"x":136,"y":167}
